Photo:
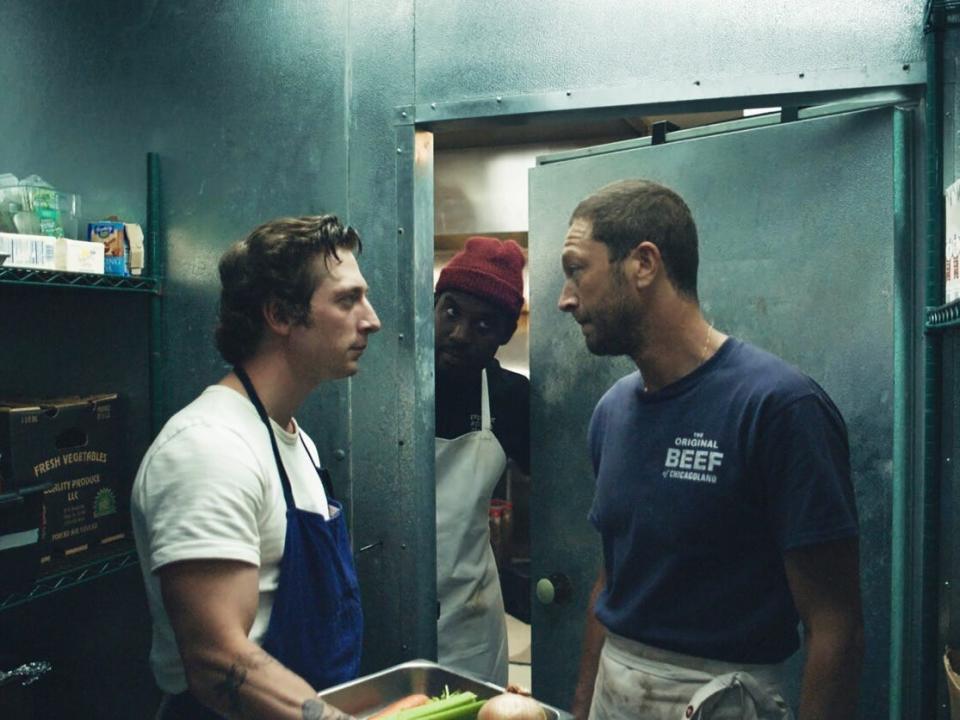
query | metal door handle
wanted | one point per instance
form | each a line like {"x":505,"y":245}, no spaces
{"x":555,"y":589}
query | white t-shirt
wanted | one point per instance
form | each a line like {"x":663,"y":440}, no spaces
{"x":208,"y":488}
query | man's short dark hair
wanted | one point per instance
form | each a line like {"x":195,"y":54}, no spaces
{"x":626,"y":213}
{"x":274,"y":263}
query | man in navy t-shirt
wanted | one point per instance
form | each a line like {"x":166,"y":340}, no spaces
{"x":723,"y":497}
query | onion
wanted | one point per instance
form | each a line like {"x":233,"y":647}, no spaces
{"x":511,"y":706}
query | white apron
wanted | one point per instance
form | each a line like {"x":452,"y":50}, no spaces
{"x":471,"y":630}
{"x":635,"y":680}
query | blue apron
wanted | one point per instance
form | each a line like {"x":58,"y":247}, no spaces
{"x":316,"y":624}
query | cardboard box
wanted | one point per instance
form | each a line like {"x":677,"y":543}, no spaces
{"x":29,"y":251}
{"x":74,"y":445}
{"x":79,"y":256}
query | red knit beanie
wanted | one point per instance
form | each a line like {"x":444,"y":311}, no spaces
{"x":490,"y":269}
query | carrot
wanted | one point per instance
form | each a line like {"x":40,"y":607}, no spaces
{"x":410,"y":701}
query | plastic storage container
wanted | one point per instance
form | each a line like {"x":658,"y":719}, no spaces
{"x":33,"y":210}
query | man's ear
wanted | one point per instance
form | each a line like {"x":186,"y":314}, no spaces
{"x":643,"y":264}
{"x":276,"y":317}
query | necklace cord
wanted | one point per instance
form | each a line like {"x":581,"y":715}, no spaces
{"x":703,"y":354}
{"x":706,"y":345}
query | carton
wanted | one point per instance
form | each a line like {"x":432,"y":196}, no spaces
{"x":112,"y":235}
{"x":79,"y":256}
{"x":73,"y":446}
{"x":29,"y":251}
{"x":40,"y":252}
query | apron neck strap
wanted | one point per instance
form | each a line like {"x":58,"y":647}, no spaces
{"x":485,"y":422}
{"x":261,"y":411}
{"x":321,"y":471}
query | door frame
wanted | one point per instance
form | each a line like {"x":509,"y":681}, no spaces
{"x":832,"y":91}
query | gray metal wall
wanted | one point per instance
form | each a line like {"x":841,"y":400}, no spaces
{"x":259,"y":109}
{"x":509,"y":47}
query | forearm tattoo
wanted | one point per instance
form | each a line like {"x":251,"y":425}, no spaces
{"x":317,"y":709}
{"x":234,"y":678}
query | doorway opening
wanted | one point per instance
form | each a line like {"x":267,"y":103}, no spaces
{"x":480,"y":188}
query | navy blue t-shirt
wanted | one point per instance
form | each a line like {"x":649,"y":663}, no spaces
{"x":701,"y":488}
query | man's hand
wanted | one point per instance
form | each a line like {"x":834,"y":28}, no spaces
{"x":317,"y":709}
{"x":825,"y":582}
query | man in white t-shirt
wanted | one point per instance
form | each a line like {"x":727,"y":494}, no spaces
{"x":234,"y":527}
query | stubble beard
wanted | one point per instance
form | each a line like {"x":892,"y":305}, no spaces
{"x":608,"y":341}
{"x":614,"y":325}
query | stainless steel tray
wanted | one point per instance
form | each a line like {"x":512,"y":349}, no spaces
{"x":367,"y":695}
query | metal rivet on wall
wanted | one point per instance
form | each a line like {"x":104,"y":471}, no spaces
{"x":339,"y":454}
{"x":433,"y":106}
{"x":400,"y":336}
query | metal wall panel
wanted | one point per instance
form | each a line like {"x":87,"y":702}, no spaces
{"x":512,"y":47}
{"x":250,"y":125}
{"x":392,"y":398}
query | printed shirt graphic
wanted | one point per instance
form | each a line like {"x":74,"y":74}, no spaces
{"x":694,"y":459}
{"x":701,"y":487}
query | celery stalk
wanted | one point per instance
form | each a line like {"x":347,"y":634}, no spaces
{"x":460,"y":712}
{"x":427,"y":711}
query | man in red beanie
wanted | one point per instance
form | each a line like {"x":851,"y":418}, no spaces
{"x":482,"y":418}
